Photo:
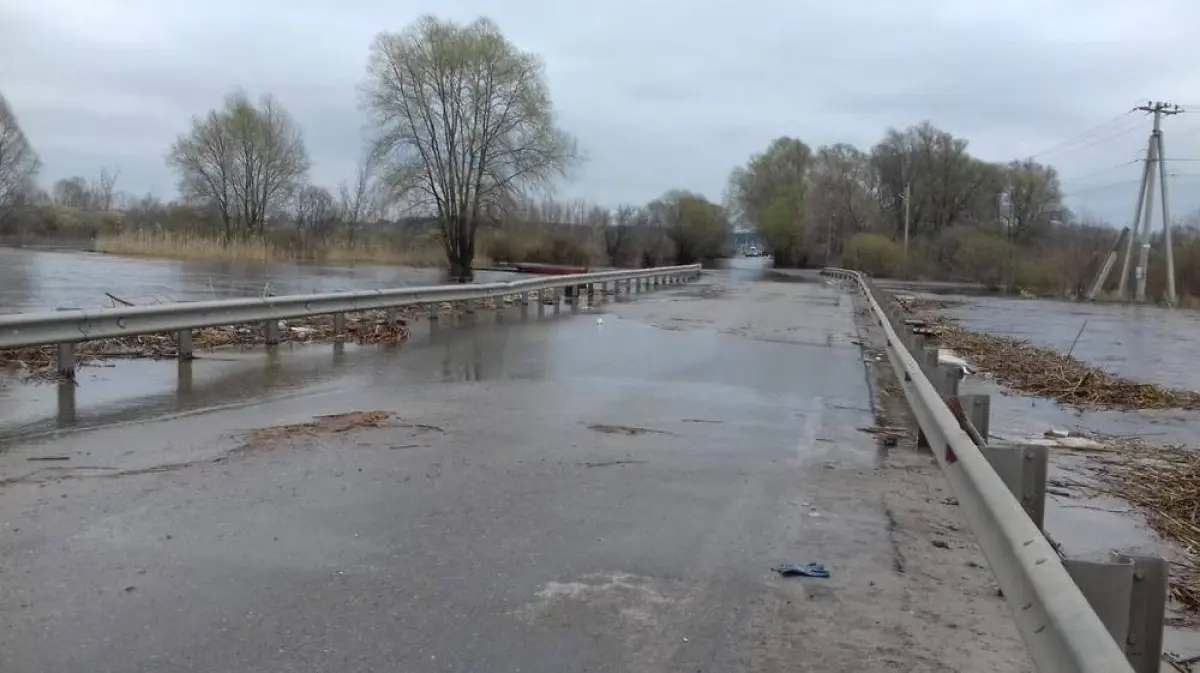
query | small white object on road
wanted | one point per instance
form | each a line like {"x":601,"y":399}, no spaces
{"x":599,"y":321}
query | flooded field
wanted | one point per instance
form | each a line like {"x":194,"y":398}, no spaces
{"x":40,"y":280}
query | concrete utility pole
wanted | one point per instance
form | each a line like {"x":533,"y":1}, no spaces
{"x":1155,"y":158}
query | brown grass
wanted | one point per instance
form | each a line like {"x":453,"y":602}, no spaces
{"x":188,"y":245}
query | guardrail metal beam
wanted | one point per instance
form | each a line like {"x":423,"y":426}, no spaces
{"x":1055,"y":617}
{"x":67,"y":327}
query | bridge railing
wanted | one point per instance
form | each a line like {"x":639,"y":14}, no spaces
{"x":1073,"y":615}
{"x":67,"y":327}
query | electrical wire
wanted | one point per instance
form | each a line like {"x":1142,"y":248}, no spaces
{"x":1073,"y":142}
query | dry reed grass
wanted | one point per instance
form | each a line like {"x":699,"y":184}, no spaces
{"x":187,"y":245}
{"x":1164,"y":484}
{"x":1043,"y":372}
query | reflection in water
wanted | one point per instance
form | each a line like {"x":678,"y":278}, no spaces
{"x":66,"y":403}
{"x":471,"y":347}
{"x":38,"y":280}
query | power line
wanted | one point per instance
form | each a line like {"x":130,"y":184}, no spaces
{"x":1109,"y":125}
{"x":1102,"y":171}
{"x":1123,"y":183}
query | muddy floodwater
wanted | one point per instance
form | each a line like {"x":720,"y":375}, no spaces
{"x":40,"y":280}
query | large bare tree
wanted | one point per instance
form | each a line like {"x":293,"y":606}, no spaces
{"x":19,"y":164}
{"x":244,"y":160}
{"x":463,"y":121}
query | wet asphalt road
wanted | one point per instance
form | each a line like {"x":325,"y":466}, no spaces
{"x":567,"y":495}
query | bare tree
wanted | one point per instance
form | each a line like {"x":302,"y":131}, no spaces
{"x":618,"y":235}
{"x":359,"y":200}
{"x":463,"y":120}
{"x":19,"y":164}
{"x":72,"y":193}
{"x":316,"y":212}
{"x":243,"y":160}
{"x":104,"y":191}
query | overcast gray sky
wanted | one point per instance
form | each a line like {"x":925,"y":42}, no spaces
{"x":662,"y":94}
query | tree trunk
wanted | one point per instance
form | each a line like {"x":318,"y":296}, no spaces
{"x":462,"y":254}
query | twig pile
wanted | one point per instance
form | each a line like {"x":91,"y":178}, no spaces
{"x":1047,"y":373}
{"x":367,"y":328}
{"x":1165,"y":484}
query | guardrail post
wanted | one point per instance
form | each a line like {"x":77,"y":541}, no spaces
{"x":591,"y":294}
{"x":435,"y":312}
{"x":184,"y":352}
{"x":273,"y":333}
{"x":389,"y":314}
{"x":468,"y":307}
{"x":339,"y":325}
{"x":1108,"y":588}
{"x":557,"y":293}
{"x":1129,"y":594}
{"x":978,"y":408}
{"x":66,"y":360}
{"x":916,"y":343}
{"x":946,"y":380}
{"x":928,"y":360}
{"x":1023,"y":469}
{"x":1148,"y":607}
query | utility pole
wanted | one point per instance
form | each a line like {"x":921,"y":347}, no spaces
{"x":907,"y":216}
{"x":1155,"y":158}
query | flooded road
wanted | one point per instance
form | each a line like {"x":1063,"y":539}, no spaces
{"x":42,"y":280}
{"x":604,"y":491}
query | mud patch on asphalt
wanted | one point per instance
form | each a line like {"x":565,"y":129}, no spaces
{"x":630,"y":431}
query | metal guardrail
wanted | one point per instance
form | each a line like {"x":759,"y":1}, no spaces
{"x":71,"y":326}
{"x":1061,"y":630}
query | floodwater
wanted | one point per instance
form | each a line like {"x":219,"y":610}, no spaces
{"x":43,"y":280}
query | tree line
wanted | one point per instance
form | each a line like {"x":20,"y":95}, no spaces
{"x":463,"y":141}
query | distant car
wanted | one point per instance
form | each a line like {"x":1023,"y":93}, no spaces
{"x":753,"y":251}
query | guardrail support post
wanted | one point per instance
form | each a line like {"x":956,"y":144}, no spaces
{"x":978,"y":408}
{"x":946,"y":380}
{"x":591,"y":294}
{"x":557,"y":299}
{"x":390,"y":316}
{"x":184,"y":352}
{"x":273,"y":335}
{"x":1148,"y":606}
{"x":66,"y":360}
{"x":1023,"y":469}
{"x":1108,"y":588}
{"x":1129,"y":594}
{"x":339,"y":325}
{"x":928,"y":362}
{"x":435,"y":312}
{"x":469,"y":307}
{"x":916,"y":342}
